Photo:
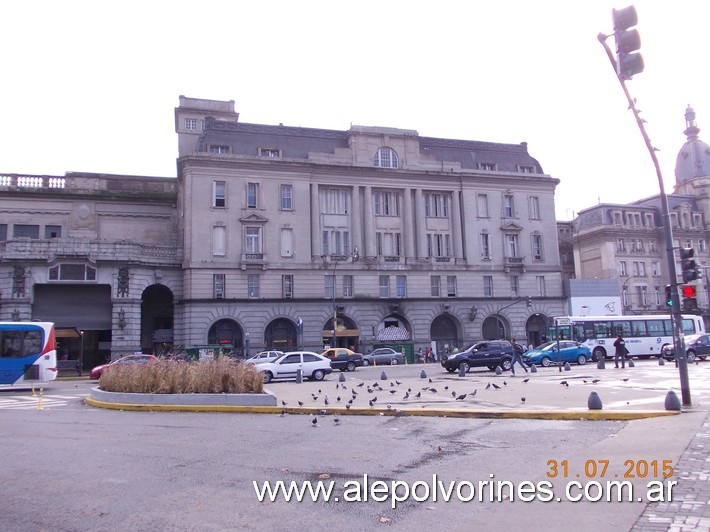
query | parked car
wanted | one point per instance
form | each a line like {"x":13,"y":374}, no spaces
{"x":383,"y":356}
{"x":489,"y":353}
{"x":343,"y":359}
{"x":129,"y":359}
{"x":264,"y":356}
{"x":696,"y":345}
{"x":312,"y":365}
{"x":547,"y":353}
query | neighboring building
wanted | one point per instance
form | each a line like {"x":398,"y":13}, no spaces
{"x":627,"y":242}
{"x":94,"y":253}
{"x":450,"y":236}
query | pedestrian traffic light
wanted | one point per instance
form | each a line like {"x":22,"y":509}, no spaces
{"x":669,"y":298}
{"x":688,"y":291}
{"x":627,"y":42}
{"x":689,"y":268}
{"x":690,"y":301}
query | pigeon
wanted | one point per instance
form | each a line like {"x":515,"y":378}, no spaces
{"x":371,"y":403}
{"x":315,"y":397}
{"x":505,"y":383}
{"x":314,"y":422}
{"x":474,"y":392}
{"x":361,"y":385}
{"x":496,"y":386}
{"x":337,"y":385}
{"x":391,"y":384}
{"x":320,"y":391}
{"x":596,"y":381}
{"x":374,"y":399}
{"x":461,"y":397}
{"x":398,"y":383}
{"x":398,"y":413}
{"x":625,"y":380}
{"x":453,"y":394}
{"x":337,"y":398}
{"x":322,"y":412}
{"x":522,"y":399}
{"x":300,"y":403}
{"x":446,"y":387}
{"x":389,"y":407}
{"x":430,"y":380}
{"x":393,"y":391}
{"x":488,"y":385}
{"x":283,"y":403}
{"x":370,"y":390}
{"x":283,"y":413}
{"x":347,"y":406}
{"x":406,"y":396}
{"x":326,"y":401}
{"x":584,"y":381}
{"x":526,"y":380}
{"x":419,"y":394}
{"x":336,"y":420}
{"x":433,"y":390}
{"x":564,"y":383}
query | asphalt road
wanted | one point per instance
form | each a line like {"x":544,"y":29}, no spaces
{"x":72,"y":467}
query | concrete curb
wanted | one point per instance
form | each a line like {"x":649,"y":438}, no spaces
{"x":201,"y":400}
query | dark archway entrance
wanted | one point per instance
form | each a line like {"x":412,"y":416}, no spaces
{"x":156,"y":319}
{"x":444,"y":332}
{"x":346,"y":335}
{"x":536,"y":329}
{"x":495,"y":328}
{"x":281,"y":335}
{"x":228,"y":333}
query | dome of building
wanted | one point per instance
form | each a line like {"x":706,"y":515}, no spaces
{"x":694,"y":157}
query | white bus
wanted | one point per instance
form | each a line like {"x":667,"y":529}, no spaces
{"x":645,"y":335}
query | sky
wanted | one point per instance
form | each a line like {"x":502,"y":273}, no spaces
{"x":91,"y":86}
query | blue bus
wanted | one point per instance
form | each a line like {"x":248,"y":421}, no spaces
{"x":28,"y":352}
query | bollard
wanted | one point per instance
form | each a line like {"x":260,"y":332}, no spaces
{"x":383,"y":376}
{"x":422,"y":375}
{"x":631,"y":364}
{"x":342,"y":377}
{"x":499,"y":370}
{"x":462,"y":370}
{"x":39,"y":402}
{"x":299,"y":376}
{"x":533,"y":369}
{"x":594,"y":402}
{"x":600,"y":363}
{"x":567,"y":366}
{"x":661,"y":361}
{"x":672,"y":401}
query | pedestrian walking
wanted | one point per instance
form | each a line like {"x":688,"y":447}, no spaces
{"x":620,"y":351}
{"x":517,"y":357}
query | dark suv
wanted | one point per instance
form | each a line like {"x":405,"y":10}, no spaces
{"x":489,"y":353}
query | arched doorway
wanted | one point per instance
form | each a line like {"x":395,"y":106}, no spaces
{"x":444,"y":332}
{"x":346,"y":334}
{"x":536,"y":329}
{"x":227,"y":332}
{"x":495,"y":328}
{"x":156,"y":319}
{"x":281,"y":335}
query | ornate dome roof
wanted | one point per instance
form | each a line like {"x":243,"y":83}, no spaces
{"x":694,"y":157}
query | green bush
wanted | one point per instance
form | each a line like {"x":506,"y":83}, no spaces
{"x":221,"y":375}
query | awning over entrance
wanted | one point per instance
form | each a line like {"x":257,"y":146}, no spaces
{"x":85,"y":307}
{"x":341,"y":333}
{"x":66,"y":332}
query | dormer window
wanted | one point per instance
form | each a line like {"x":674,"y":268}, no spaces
{"x":487,"y":166}
{"x":526,"y":169}
{"x":219,"y":149}
{"x":271,"y":153}
{"x":386,"y":158}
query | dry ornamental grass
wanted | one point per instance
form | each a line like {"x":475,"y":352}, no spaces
{"x":221,"y":375}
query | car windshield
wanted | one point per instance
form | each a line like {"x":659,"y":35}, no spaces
{"x":549,"y":346}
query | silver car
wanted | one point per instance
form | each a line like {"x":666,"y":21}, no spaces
{"x":383,"y":356}
{"x":264,"y":356}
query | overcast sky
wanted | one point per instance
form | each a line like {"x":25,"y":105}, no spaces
{"x":92,"y":85}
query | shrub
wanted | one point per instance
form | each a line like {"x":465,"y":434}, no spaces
{"x":221,"y":375}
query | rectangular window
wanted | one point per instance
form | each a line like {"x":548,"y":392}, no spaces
{"x":508,"y":206}
{"x":219,"y":149}
{"x":3,"y":232}
{"x":336,"y":242}
{"x":329,"y":286}
{"x":515,"y":285}
{"x":439,"y":245}
{"x":218,"y":280}
{"x":286,"y":242}
{"x":644,"y":296}
{"x":436,"y":205}
{"x":488,"y":285}
{"x":384,"y":286}
{"x":287,"y":286}
{"x":334,"y":201}
{"x":401,"y":286}
{"x":512,"y":241}
{"x":541,"y":288}
{"x":388,"y":244}
{"x":219,"y":241}
{"x":286,"y":197}
{"x":635,"y":268}
{"x":348,"y":286}
{"x":702,"y":246}
{"x":657,"y":295}
{"x":253,"y":285}
{"x":623,"y":272}
{"x":435,"y":286}
{"x":252,"y":195}
{"x":485,"y":246}
{"x":269,"y":153}
{"x":482,"y":203}
{"x":487,"y":166}
{"x":25,"y":231}
{"x":534,"y":208}
{"x":655,"y":268}
{"x":537,"y":247}
{"x":190,"y":124}
{"x":386,"y":203}
{"x":642,"y":269}
{"x":620,"y":245}
{"x":219,"y":194}
{"x":52,"y":231}
{"x":252,"y":242}
{"x":451,"y":286}
{"x":526,"y":169}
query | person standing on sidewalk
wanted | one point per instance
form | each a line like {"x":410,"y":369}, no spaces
{"x":517,"y":357}
{"x":620,"y":351}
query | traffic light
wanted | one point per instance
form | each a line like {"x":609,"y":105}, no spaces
{"x":688,"y":291}
{"x":528,"y":302}
{"x":627,"y":42}
{"x":689,"y":268}
{"x":669,"y":298}
{"x":690,"y":301}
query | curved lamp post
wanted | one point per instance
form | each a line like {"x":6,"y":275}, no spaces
{"x":355,"y":256}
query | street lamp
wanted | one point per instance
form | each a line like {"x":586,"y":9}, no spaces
{"x":355,"y":255}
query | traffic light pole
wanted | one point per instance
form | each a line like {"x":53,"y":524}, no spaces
{"x":678,"y":338}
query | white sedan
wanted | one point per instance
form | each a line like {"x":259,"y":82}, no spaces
{"x":312,"y":365}
{"x":264,"y":356}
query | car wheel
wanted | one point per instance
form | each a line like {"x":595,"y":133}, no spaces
{"x":450,"y":370}
{"x":690,"y":356}
{"x":492,"y":368}
{"x":465,"y":365}
{"x":366,"y":362}
{"x":581,"y":360}
{"x":267,"y":377}
{"x":546,"y":362}
{"x":395,"y":361}
{"x":318,"y":375}
{"x":506,"y":364}
{"x":598,"y":354}
{"x":351,"y":366}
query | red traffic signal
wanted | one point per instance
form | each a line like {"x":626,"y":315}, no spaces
{"x":688,"y":291}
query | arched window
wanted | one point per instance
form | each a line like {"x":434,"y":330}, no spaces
{"x":386,"y":158}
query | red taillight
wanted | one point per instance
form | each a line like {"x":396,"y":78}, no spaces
{"x":52,"y":369}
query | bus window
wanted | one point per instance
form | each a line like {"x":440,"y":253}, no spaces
{"x":655,"y":328}
{"x":638,"y":329}
{"x":602,"y":329}
{"x":669,"y":327}
{"x":688,"y":327}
